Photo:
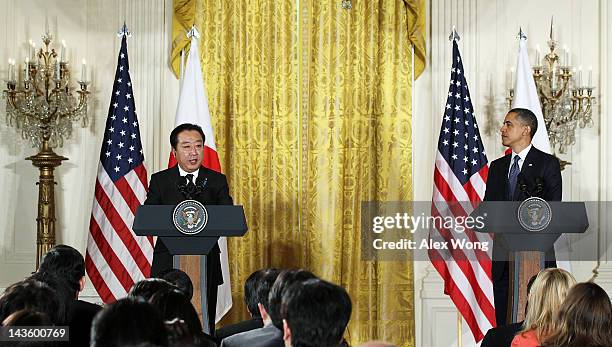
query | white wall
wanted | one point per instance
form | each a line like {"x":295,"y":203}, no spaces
{"x":89,"y":29}
{"x":488,"y":30}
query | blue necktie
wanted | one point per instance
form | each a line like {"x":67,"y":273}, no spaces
{"x":514,"y":171}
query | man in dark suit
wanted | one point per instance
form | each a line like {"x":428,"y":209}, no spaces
{"x":168,"y":187}
{"x":255,"y":292}
{"x":515,"y":177}
{"x":267,"y":335}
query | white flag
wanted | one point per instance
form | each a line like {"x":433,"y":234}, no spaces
{"x":193,"y":108}
{"x":526,"y":96}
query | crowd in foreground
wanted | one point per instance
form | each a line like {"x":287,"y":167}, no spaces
{"x":287,"y":308}
{"x":559,"y":313}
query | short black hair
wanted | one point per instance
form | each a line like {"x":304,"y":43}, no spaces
{"x":184,"y":127}
{"x":63,"y":292}
{"x":180,"y":279}
{"x":128,"y":322}
{"x":317,"y":312}
{"x":31,"y":295}
{"x":65,"y":262}
{"x":250,"y":292}
{"x":173,"y":304}
{"x":527,"y":117}
{"x":263,"y":288}
{"x":148,"y":287}
{"x":285,"y":279}
{"x":27,"y":317}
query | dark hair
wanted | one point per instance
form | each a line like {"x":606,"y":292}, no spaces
{"x":66,"y":263}
{"x":63,"y":292}
{"x":128,"y":322}
{"x":527,"y":117}
{"x":180,"y":279}
{"x":285,"y":279}
{"x":184,"y":127}
{"x":32,"y":295}
{"x":317,"y":312}
{"x":584,"y":318}
{"x":172,"y":304}
{"x":250,"y":292}
{"x":148,"y":287}
{"x":27,"y":317}
{"x":262,"y":290}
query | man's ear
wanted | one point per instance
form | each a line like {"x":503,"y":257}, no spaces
{"x":286,"y":332}
{"x":81,"y":284}
{"x":262,"y":311}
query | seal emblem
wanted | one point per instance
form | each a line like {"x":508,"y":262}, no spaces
{"x":534,"y":214}
{"x":190,"y":217}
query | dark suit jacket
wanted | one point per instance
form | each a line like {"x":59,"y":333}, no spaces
{"x":240,"y":327}
{"x":268,"y":336}
{"x":80,"y":316}
{"x":501,"y":336}
{"x":163,"y":190}
{"x":537,"y":164}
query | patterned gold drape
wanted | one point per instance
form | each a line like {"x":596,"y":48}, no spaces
{"x":312,"y":111}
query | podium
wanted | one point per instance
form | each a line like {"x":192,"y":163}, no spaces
{"x":221,"y":220}
{"x":524,"y":234}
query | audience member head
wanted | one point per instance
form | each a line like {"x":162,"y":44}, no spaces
{"x":66,"y":263}
{"x":584,"y":319}
{"x":128,"y":322}
{"x":27,"y":317}
{"x":180,"y":279}
{"x":315,"y":313}
{"x":250,"y":292}
{"x":285,"y":279}
{"x":31,"y":295}
{"x":179,"y":334}
{"x":172,"y":303}
{"x":262,"y":293}
{"x":547,"y":293}
{"x":148,"y":287}
{"x":63,"y":292}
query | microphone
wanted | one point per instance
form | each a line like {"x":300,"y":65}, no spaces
{"x":539,"y":183}
{"x":522,"y":184}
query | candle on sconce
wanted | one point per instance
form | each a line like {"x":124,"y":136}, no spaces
{"x":566,"y":61}
{"x":590,"y":77}
{"x":46,"y":25}
{"x":537,"y":62}
{"x":84,"y":71}
{"x":31,"y":46}
{"x":27,"y":68}
{"x":63,"y":52}
{"x":9,"y":72}
{"x":580,"y":76}
{"x":57,"y":70}
{"x":511,"y":77}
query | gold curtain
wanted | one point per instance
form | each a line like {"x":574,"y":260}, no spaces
{"x":311,"y":106}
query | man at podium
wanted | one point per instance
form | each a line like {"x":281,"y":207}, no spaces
{"x":189,"y":179}
{"x":525,"y":172}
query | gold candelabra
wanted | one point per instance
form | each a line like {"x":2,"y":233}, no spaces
{"x":566,"y":102}
{"x":43,"y":108}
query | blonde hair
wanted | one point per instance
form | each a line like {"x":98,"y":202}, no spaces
{"x":547,"y":293}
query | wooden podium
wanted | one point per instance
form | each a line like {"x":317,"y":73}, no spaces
{"x":524,"y":235}
{"x":223,"y":220}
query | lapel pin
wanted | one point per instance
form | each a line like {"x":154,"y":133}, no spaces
{"x":530,"y":164}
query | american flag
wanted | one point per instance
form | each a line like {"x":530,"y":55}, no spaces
{"x":460,"y":175}
{"x":116,"y":258}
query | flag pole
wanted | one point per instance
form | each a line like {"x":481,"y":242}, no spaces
{"x":454,"y":36}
